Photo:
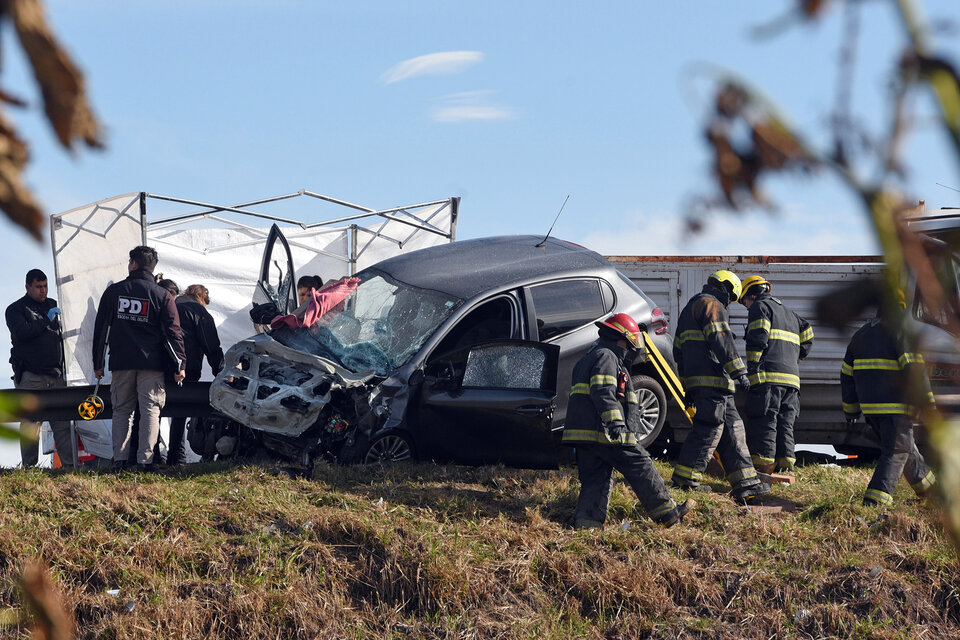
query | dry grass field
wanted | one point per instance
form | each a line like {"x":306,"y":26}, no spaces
{"x":428,"y":551}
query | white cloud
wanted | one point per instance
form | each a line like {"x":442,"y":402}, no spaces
{"x":470,"y":105}
{"x":443,"y":62}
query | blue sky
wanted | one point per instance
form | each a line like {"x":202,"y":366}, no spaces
{"x":509,"y":105}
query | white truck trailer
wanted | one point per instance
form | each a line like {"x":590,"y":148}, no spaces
{"x":797,"y":280}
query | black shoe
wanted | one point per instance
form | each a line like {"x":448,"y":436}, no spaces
{"x":697,"y":488}
{"x":751,"y":494}
{"x":118,"y":466}
{"x":145,"y":468}
{"x":676,"y":514}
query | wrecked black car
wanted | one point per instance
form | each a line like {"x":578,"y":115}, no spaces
{"x":461,"y":352}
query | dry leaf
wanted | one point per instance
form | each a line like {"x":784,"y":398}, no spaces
{"x":62,"y":85}
{"x":51,"y":622}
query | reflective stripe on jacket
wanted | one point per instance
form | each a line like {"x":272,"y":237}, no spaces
{"x":876,"y":371}
{"x":595,"y":415}
{"x":777,"y":340}
{"x":703,"y":347}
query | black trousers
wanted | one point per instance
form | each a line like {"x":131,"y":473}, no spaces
{"x":177,"y":449}
{"x":898,"y":456}
{"x":771,"y":411}
{"x":595,"y":465}
{"x":716,"y":425}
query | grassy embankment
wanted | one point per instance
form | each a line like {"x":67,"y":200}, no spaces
{"x":425,"y":551}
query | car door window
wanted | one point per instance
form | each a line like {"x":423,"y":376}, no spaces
{"x":500,"y":366}
{"x":276,"y":274}
{"x":567,"y":304}
{"x":491,"y":321}
{"x":947,"y":269}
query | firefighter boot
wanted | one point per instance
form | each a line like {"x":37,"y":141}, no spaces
{"x":688,"y":486}
{"x":676,"y":514}
{"x":749,"y":494}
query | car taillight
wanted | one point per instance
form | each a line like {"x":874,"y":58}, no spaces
{"x":658,"y":321}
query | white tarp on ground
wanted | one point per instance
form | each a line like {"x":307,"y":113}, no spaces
{"x":91,"y":247}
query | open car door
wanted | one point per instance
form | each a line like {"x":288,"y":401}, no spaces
{"x":277,"y":283}
{"x":492,"y":403}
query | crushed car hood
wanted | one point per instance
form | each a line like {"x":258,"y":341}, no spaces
{"x":268,"y":386}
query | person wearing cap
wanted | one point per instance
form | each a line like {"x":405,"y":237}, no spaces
{"x":777,"y":340}
{"x":602,"y":421}
{"x":708,"y":364}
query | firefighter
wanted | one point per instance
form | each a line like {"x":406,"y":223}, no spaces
{"x":777,"y":340}
{"x":602,"y":420}
{"x":708,"y":364}
{"x":874,"y":379}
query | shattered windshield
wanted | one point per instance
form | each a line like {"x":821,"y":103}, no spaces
{"x":378,"y":327}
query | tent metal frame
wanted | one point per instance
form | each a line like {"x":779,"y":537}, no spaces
{"x":359,"y":236}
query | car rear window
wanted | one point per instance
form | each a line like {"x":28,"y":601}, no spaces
{"x":565,"y":305}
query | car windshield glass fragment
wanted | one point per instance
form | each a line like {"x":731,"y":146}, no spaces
{"x":378,"y":327}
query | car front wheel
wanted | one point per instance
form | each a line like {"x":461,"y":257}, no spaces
{"x":652,"y":403}
{"x":387,"y":448}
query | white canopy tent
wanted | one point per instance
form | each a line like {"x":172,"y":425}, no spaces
{"x":221,"y":248}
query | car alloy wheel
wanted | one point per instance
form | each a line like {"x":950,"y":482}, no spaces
{"x":652,"y":406}
{"x":391,"y":447}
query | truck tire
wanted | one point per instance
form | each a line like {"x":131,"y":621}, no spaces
{"x":652,"y":406}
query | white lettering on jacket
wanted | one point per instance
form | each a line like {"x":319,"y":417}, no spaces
{"x":135,"y":309}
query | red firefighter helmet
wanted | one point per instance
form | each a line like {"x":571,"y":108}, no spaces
{"x":625,"y":326}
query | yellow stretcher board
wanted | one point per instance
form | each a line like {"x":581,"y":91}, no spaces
{"x":669,"y":378}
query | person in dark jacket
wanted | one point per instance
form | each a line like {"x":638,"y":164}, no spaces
{"x":874,"y":381}
{"x":602,"y":421}
{"x":708,"y":363}
{"x":777,"y":341}
{"x":138,"y":319}
{"x":200,"y":339}
{"x":36,"y":354}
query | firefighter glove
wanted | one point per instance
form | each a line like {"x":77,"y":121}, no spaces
{"x":743,"y":382}
{"x":616,"y":430}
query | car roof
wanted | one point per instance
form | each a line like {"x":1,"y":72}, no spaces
{"x":467,"y":268}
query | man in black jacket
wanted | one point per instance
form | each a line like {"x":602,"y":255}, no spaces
{"x":37,"y":357}
{"x":139,"y":319}
{"x":777,"y":340}
{"x":602,"y":420}
{"x":875,"y":381}
{"x":708,"y":364}
{"x":200,"y":339}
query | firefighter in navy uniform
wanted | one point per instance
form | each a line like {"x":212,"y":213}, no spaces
{"x":708,"y":364}
{"x":777,"y":340}
{"x":602,"y":418}
{"x":874,"y":379}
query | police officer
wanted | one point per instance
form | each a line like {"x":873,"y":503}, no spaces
{"x":602,"y":421}
{"x":874,"y":379}
{"x":37,"y":357}
{"x":141,"y":320}
{"x":708,"y":364}
{"x":777,"y":340}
